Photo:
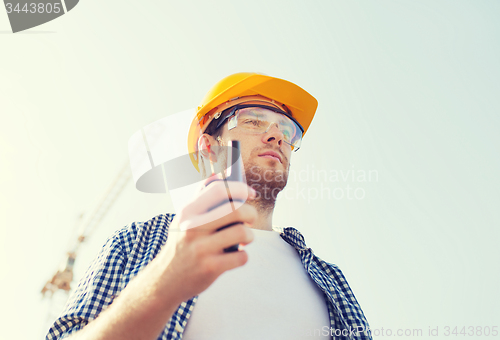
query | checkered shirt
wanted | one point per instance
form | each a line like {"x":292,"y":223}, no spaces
{"x":133,"y":247}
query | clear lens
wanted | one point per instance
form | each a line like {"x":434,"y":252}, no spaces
{"x":259,"y":120}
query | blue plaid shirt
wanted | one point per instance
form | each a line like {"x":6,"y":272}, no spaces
{"x":133,"y":247}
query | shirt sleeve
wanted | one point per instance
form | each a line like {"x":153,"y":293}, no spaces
{"x":95,"y":291}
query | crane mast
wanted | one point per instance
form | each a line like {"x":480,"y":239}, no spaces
{"x":63,"y":277}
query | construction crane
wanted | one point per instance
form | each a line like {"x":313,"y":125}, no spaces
{"x":62,"y":279}
{"x":140,"y":154}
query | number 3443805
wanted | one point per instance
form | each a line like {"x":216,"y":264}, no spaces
{"x":34,"y":8}
{"x":471,"y":331}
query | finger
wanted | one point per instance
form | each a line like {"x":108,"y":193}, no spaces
{"x":213,"y":177}
{"x":207,"y":181}
{"x":235,"y":234}
{"x":222,"y":216}
{"x":216,"y":194}
{"x":228,"y":261}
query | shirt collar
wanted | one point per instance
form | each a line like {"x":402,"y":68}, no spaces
{"x":292,"y":236}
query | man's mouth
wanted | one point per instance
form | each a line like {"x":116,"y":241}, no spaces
{"x":272,"y":155}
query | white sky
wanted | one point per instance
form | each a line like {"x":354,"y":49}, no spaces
{"x":407,"y":89}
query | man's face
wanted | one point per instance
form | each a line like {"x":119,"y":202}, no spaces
{"x":266,"y":158}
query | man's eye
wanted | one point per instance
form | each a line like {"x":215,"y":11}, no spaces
{"x":254,"y":122}
{"x":287,"y":131}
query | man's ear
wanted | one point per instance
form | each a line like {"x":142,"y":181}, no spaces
{"x":205,"y":146}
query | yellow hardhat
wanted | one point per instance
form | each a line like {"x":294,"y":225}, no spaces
{"x":299,"y":102}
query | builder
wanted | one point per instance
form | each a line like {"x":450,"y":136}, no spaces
{"x":145,"y":285}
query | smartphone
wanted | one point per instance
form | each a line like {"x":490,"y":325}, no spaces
{"x":235,"y":173}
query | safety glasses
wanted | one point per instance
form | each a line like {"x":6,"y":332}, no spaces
{"x":259,"y":119}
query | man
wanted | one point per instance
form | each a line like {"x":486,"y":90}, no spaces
{"x":145,"y":285}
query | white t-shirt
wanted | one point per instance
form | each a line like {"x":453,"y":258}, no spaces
{"x":270,"y":297}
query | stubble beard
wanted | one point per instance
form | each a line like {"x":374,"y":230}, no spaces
{"x":267,"y":183}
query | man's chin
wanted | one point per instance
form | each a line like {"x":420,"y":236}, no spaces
{"x":267,"y":182}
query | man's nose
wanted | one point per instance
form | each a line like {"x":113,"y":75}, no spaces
{"x":273,"y":133}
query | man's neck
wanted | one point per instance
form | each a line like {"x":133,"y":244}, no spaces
{"x":264,"y":219}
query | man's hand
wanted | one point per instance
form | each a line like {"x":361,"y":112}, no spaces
{"x":193,"y":256}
